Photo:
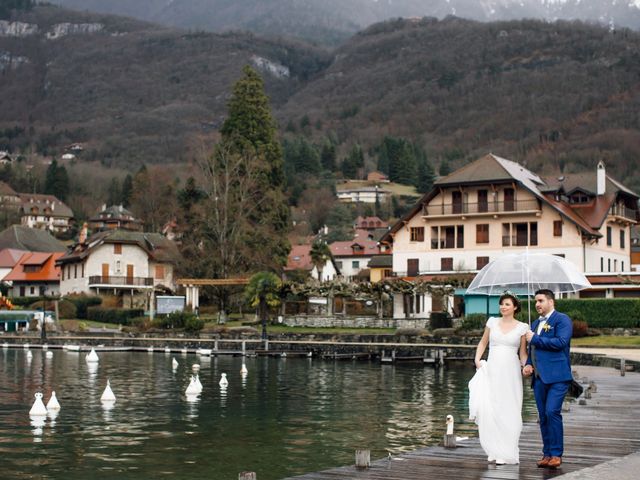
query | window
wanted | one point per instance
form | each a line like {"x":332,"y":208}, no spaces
{"x":117,"y":248}
{"x":339,"y":265}
{"x":609,"y":264}
{"x":482,"y":233}
{"x":615,"y":265}
{"x":557,"y":228}
{"x":31,"y":268}
{"x":456,"y":200}
{"x":355,"y":264}
{"x":75,"y":271}
{"x":447,"y":237}
{"x":412,"y":267}
{"x":32,"y":290}
{"x":622,"y":266}
{"x":417,"y":234}
{"x":609,"y":236}
{"x":460,"y":236}
{"x":509,"y":199}
{"x":118,"y":266}
{"x":62,"y":273}
{"x":159,"y":272}
{"x":519,"y":234}
{"x":82,"y":273}
{"x":446,"y":264}
{"x":601,"y":264}
{"x":481,"y":262}
{"x":622,"y":242}
{"x":483,"y":204}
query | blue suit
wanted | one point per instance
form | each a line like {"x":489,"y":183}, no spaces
{"x":549,"y":355}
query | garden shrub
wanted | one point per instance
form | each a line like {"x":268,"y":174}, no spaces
{"x":603,"y":312}
{"x":439,"y":320}
{"x":82,"y":303}
{"x":66,"y":309}
{"x":473,"y":321}
{"x":118,"y":316}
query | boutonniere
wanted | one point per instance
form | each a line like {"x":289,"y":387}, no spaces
{"x":546,"y":327}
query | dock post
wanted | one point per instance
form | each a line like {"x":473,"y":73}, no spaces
{"x":215,"y":346}
{"x":393,"y":356}
{"x":266,"y":345}
{"x":363,"y":458}
{"x":449,"y":441}
{"x":247,"y":476}
{"x":244,"y":348}
{"x":623,"y":367}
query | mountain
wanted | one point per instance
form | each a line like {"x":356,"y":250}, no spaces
{"x":332,"y":21}
{"x":555,"y":96}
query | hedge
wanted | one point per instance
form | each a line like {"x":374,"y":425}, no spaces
{"x":82,"y":303}
{"x":439,"y":320}
{"x":604,"y":312}
{"x":121,"y":316}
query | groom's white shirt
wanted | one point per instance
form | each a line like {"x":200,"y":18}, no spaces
{"x":544,"y":322}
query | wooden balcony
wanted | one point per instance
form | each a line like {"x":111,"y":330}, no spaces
{"x":482,"y":208}
{"x":120,"y":282}
{"x":624,"y":213}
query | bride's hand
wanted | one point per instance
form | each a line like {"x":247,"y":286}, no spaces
{"x":478,"y":364}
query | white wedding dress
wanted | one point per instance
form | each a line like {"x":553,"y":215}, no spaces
{"x":495,"y":394}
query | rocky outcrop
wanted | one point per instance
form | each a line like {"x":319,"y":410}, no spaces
{"x":266,"y":65}
{"x":17,"y":29}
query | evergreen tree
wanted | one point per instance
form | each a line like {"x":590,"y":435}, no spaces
{"x":426,"y":176}
{"x":328,"y":156}
{"x":444,"y":169}
{"x":250,"y":132}
{"x":57,"y":181}
{"x":114,"y":193}
{"x":127,"y":190}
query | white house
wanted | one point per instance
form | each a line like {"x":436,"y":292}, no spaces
{"x":300,"y":259}
{"x":45,"y":212}
{"x":123,"y":263}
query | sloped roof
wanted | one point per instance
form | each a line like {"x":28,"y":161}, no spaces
{"x":114,"y":212}
{"x":29,"y":239}
{"x":299,"y":258}
{"x":58,"y":208}
{"x":381,"y":261}
{"x":157,"y":246}
{"x":48,"y":273}
{"x":345,"y":249}
{"x":9,"y":257}
{"x":5,"y":189}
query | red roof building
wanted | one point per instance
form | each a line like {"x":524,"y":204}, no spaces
{"x":35,"y":274}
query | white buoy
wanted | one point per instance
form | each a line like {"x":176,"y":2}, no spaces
{"x":49,"y":354}
{"x":150,"y":349}
{"x":192,"y":389}
{"x":198,"y":384}
{"x":174,"y":363}
{"x":244,"y":370}
{"x":38,"y":409}
{"x":5,"y":345}
{"x":223,"y":380}
{"x":107,"y":395}
{"x":53,"y":403}
{"x":92,"y":357}
{"x":25,"y":346}
{"x":195,"y":367}
{"x":283,"y":354}
{"x":309,"y":354}
{"x":45,"y":347}
{"x":167,"y":350}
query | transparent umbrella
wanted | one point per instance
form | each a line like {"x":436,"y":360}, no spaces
{"x":524,"y":273}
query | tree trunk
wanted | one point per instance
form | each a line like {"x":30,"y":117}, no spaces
{"x":262,"y":308}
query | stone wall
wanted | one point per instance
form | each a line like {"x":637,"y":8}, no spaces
{"x":353,"y":322}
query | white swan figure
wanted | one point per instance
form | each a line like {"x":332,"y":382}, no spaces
{"x":174,"y":363}
{"x":38,"y":409}
{"x":92,"y":357}
{"x":53,"y":403}
{"x":107,"y":395}
{"x":223,"y":380}
{"x":49,"y":354}
{"x":244,"y":370}
{"x":192,"y":389}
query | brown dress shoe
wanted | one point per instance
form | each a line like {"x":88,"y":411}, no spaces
{"x":543,"y":462}
{"x":555,"y":462}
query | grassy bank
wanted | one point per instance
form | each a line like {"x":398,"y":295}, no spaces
{"x":610,"y":341}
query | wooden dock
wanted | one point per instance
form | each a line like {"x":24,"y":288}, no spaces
{"x":605,"y":428}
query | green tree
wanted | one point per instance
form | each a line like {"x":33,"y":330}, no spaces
{"x":57,"y":181}
{"x":320,"y":255}
{"x":127,"y":190}
{"x":444,"y":169}
{"x":263,"y":292}
{"x":250,"y":131}
{"x":426,"y":176}
{"x":328,"y":156}
{"x":114,"y":193}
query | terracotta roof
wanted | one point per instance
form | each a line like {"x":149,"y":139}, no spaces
{"x":30,"y":239}
{"x":9,"y":257}
{"x":5,"y":189}
{"x":48,"y":273}
{"x":299,"y":258}
{"x":345,"y":249}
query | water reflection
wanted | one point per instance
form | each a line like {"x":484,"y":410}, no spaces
{"x":288,"y":417}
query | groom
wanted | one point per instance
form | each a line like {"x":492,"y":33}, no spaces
{"x":549,"y":340}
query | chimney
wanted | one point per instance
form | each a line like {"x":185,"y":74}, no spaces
{"x":82,"y":238}
{"x":601,"y":179}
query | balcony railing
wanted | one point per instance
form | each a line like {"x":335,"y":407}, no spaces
{"x":482,"y":207}
{"x":120,"y":281}
{"x":624,"y":212}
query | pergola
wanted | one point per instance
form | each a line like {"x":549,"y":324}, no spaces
{"x":192,"y":287}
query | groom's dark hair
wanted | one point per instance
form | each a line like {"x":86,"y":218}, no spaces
{"x":547,"y":293}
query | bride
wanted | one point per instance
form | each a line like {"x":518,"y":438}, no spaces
{"x":495,"y":391}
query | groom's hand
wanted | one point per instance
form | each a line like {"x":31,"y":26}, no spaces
{"x":529,"y":335}
{"x":527,"y":371}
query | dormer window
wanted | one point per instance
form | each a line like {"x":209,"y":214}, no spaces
{"x":31,"y":268}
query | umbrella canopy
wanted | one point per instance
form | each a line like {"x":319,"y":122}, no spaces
{"x":527,"y":272}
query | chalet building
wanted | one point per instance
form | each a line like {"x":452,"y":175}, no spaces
{"x":45,"y":212}
{"x":9,"y":199}
{"x":300,"y":259}
{"x":494,"y":206}
{"x":353,"y":256}
{"x":119,"y":262}
{"x":363,"y":194}
{"x":34,"y":275}
{"x":377,"y":176}
{"x":115,"y":217}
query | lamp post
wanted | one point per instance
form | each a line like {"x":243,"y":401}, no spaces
{"x":43,"y":328}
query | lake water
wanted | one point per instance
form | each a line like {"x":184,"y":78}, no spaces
{"x":286,"y":417}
